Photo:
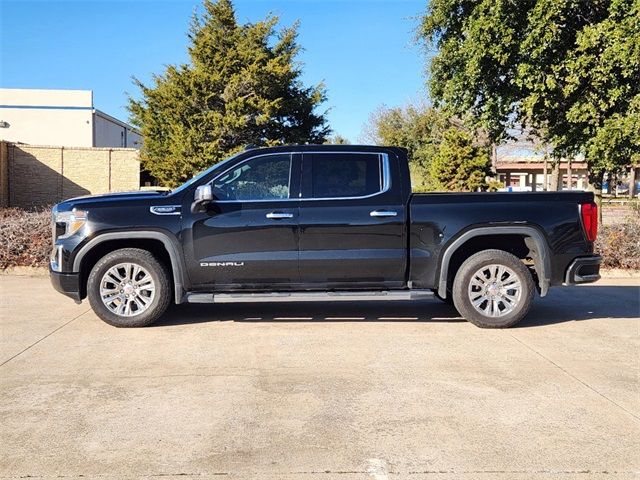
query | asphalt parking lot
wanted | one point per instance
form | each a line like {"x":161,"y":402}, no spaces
{"x":345,"y":391}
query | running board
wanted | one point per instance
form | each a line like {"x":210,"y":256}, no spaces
{"x":308,"y":296}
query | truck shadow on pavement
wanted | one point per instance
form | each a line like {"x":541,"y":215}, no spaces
{"x":561,"y":305}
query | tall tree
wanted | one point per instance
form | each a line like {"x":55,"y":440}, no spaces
{"x":242,"y":86}
{"x":422,"y":129}
{"x":337,"y":139}
{"x":418,"y":128}
{"x":568,"y":69}
{"x":459,"y":165}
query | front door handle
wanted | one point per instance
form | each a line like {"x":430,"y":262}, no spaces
{"x":383,"y":213}
{"x":279,"y":215}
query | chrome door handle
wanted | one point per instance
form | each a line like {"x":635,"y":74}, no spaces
{"x":279,"y":215}
{"x":383,"y":213}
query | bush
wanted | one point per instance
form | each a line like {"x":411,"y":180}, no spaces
{"x":25,"y":237}
{"x":619,"y":244}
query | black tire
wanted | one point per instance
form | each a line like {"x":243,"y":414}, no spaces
{"x":156,"y":270}
{"x":462,"y":282}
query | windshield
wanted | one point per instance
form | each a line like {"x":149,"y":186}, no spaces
{"x":203,"y":174}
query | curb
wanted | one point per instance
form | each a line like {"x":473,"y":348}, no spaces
{"x":25,"y":272}
{"x":619,"y":273}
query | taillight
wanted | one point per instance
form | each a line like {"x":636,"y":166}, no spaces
{"x":589,"y":212}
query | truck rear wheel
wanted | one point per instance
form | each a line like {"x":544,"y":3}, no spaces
{"x":129,"y":288}
{"x":493,"y":289}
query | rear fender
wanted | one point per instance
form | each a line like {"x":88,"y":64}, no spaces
{"x":534,"y":240}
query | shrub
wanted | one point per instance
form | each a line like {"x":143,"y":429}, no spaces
{"x":619,"y":244}
{"x":25,"y":237}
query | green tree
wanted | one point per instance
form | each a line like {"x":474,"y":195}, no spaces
{"x":417,"y":128}
{"x":337,"y":139}
{"x":459,"y":165}
{"x":568,"y":69}
{"x":421,"y":130}
{"x":242,"y":86}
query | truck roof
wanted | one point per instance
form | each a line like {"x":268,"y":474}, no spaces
{"x":329,"y":147}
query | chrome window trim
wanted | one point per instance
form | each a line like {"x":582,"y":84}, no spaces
{"x":385,"y":172}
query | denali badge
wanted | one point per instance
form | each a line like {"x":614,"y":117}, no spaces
{"x":221,"y":264}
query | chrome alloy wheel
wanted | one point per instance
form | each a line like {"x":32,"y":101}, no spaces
{"x":495,"y":290}
{"x":127,"y":289}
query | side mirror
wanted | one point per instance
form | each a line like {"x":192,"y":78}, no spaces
{"x":202,"y":197}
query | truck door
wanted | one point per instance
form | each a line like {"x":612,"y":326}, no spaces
{"x":248,"y":238}
{"x":352,"y":221}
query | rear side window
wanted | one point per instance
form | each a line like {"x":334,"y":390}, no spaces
{"x":340,"y":175}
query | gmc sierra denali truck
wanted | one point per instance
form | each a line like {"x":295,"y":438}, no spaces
{"x":319,"y":222}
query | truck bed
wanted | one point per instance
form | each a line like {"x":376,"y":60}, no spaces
{"x":438,"y":219}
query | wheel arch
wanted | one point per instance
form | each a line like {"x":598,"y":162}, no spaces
{"x":533,"y":238}
{"x":87,"y":254}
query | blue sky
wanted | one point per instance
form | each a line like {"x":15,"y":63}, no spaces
{"x":362,"y":49}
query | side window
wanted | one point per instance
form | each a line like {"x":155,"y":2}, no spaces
{"x":344,"y":175}
{"x":261,"y":178}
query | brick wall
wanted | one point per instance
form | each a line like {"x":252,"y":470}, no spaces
{"x":42,"y":175}
{"x":4,"y":175}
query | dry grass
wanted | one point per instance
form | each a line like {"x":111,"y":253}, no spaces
{"x":619,"y":243}
{"x":25,"y":237}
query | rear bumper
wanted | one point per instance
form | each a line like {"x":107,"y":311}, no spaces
{"x":583,"y":270}
{"x":66,"y":283}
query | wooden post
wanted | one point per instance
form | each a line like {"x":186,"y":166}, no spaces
{"x":545,"y":180}
{"x":569,"y":175}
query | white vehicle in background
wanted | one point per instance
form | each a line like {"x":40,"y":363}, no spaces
{"x":515,"y":189}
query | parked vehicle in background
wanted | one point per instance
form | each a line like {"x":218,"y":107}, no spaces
{"x":319,"y":222}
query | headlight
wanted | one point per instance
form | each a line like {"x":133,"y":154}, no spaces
{"x":68,"y":223}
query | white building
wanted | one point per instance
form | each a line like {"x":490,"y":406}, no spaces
{"x":61,"y":118}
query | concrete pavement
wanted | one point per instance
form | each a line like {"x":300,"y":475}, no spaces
{"x":328,"y":391}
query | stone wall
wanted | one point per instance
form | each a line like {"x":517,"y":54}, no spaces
{"x":43,"y":175}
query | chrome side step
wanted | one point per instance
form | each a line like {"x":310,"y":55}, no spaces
{"x":346,"y":296}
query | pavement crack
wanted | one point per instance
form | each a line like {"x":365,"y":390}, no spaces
{"x":43,"y":338}
{"x":574,"y":377}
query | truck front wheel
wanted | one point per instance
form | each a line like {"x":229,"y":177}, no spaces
{"x":493,"y":289}
{"x":129,"y":288}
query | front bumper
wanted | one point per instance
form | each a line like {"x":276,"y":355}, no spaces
{"x":66,"y":283}
{"x":583,"y":270}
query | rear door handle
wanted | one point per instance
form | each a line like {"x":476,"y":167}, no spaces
{"x":279,"y":215}
{"x":383,"y":213}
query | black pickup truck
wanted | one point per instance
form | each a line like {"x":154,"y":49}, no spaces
{"x":319,"y":222}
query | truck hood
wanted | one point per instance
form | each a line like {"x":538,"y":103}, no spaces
{"x":87,"y":200}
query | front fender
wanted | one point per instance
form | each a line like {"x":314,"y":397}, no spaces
{"x":172,"y":246}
